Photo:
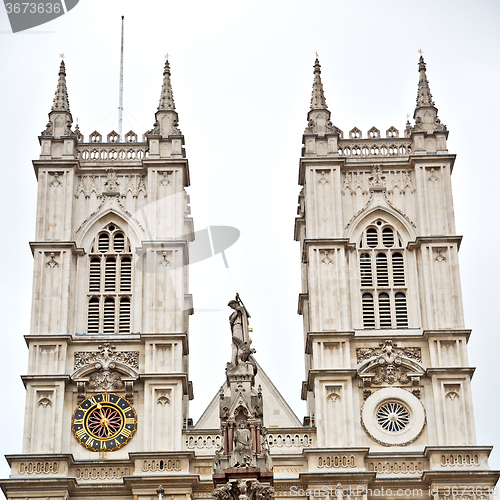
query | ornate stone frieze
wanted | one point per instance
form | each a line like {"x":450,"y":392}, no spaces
{"x":38,"y":468}
{"x":88,"y":184}
{"x":388,"y":349}
{"x":378,"y":178}
{"x":388,"y":365}
{"x":285,"y":440}
{"x":101,"y":473}
{"x":396,"y":467}
{"x":460,"y":460}
{"x":161,"y":465}
{"x":336,"y":462}
{"x":106,"y":354}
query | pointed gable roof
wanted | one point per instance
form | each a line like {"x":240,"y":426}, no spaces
{"x":277,"y":412}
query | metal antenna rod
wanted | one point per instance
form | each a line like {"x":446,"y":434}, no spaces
{"x":120,"y":105}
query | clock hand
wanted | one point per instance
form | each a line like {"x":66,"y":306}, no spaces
{"x":104,"y":421}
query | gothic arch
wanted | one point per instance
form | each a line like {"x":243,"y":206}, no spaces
{"x":391,"y":216}
{"x":111,"y":215}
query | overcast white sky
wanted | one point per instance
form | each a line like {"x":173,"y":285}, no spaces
{"x":242,"y":77}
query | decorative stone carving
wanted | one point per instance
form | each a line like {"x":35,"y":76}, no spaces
{"x":392,"y":132}
{"x":333,"y":394}
{"x":400,"y":179}
{"x":240,"y":350}
{"x":52,"y":262}
{"x":440,"y":257}
{"x":130,"y":136}
{"x":162,"y":399}
{"x":310,"y":127}
{"x":49,"y":129}
{"x":433,"y":177}
{"x":164,"y":261}
{"x":107,"y":353}
{"x":336,"y":462}
{"x":374,"y":133}
{"x":111,"y":185}
{"x":165,"y":181}
{"x":175,"y":128}
{"x":323,"y":177}
{"x":389,"y":365}
{"x":79,"y":135}
{"x":101,"y":473}
{"x":388,"y":349}
{"x":113,"y":137}
{"x":95,"y":136}
{"x":67,"y":128}
{"x":243,"y":489}
{"x":327,"y":256}
{"x":242,"y":452}
{"x":332,"y":129}
{"x":155,"y":130}
{"x":55,"y":182}
{"x":38,"y":468}
{"x":105,"y":380}
{"x":377,"y":179}
{"x":44,"y":401}
{"x":355,"y":133}
{"x":452,"y":391}
{"x":161,"y":465}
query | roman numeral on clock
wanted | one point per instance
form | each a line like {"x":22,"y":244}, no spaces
{"x":81,"y":433}
{"x":126,"y":432}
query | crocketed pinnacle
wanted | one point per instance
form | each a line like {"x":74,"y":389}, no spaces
{"x":318,"y":100}
{"x":167,"y":97}
{"x":61,"y":102}
{"x":424,"y":96}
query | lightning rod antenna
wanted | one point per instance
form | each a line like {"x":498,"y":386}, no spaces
{"x":120,"y":104}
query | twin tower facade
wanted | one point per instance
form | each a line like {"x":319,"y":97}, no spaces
{"x":387,"y":380}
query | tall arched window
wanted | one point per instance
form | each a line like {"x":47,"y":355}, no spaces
{"x":382,"y":276}
{"x":110,"y":282}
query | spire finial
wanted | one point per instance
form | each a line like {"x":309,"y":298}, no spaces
{"x":61,"y":102}
{"x":167,"y":97}
{"x":318,"y":100}
{"x":424,"y":96}
{"x":425,"y":115}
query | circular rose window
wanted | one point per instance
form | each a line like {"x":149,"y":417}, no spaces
{"x":393,"y":416}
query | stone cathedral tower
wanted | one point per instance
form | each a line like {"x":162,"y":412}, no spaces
{"x":387,"y":377}
{"x":107,"y":380}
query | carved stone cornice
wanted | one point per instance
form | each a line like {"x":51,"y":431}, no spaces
{"x":48,"y":246}
{"x":413,"y":245}
{"x":328,"y":372}
{"x":326,"y":336}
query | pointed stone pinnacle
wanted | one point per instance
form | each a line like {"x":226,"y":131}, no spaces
{"x":318,"y":100}
{"x":61,"y":102}
{"x":167,"y":97}
{"x":425,"y":115}
{"x":424,"y":96}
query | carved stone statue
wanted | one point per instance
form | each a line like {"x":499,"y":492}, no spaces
{"x":239,"y":330}
{"x":242,"y":439}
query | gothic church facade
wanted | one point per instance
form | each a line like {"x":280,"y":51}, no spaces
{"x":387,"y":379}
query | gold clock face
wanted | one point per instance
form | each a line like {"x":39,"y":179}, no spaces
{"x":104,"y":422}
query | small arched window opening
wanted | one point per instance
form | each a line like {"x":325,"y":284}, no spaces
{"x":382,"y":277}
{"x":110,"y":283}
